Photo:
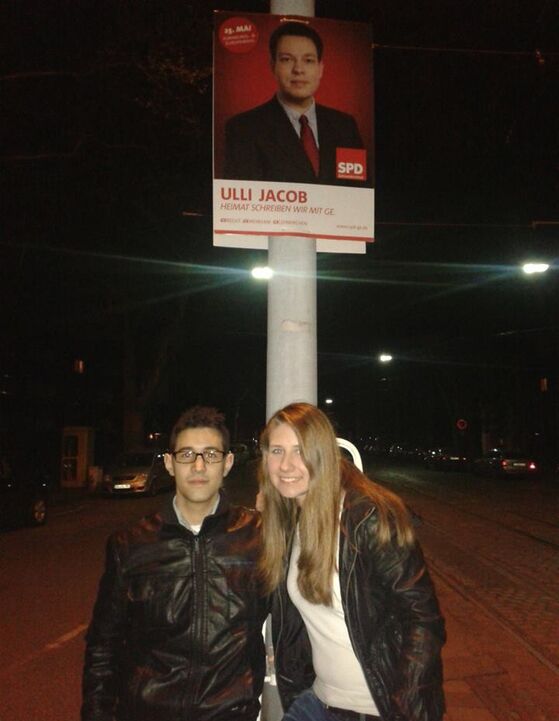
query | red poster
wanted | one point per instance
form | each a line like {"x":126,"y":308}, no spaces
{"x":293,"y":129}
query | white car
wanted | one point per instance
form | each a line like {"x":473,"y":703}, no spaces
{"x":137,"y":473}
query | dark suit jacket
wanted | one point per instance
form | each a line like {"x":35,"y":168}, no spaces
{"x":261,"y":144}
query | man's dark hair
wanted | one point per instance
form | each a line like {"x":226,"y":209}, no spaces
{"x":200,"y":417}
{"x":294,"y":27}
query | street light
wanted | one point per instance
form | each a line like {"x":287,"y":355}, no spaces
{"x":262,"y":272}
{"x":385,"y":357}
{"x":328,"y":401}
{"x":531,"y":268}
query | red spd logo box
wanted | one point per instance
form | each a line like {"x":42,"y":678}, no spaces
{"x":351,"y":164}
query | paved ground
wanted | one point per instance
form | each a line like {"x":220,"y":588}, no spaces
{"x":496,"y":574}
{"x":489,"y":674}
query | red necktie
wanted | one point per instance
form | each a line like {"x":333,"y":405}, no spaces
{"x":309,"y":143}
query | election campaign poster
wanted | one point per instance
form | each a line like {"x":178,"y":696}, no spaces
{"x":293,"y":131}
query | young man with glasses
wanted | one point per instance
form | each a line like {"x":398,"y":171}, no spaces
{"x":177,"y":626}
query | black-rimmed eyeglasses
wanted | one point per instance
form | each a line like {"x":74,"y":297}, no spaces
{"x":187,"y":455}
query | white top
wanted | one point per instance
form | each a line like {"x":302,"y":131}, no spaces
{"x":339,"y":678}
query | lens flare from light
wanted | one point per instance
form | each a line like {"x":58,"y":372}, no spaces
{"x":262,"y":272}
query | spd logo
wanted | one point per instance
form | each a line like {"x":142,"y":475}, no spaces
{"x":351,"y":164}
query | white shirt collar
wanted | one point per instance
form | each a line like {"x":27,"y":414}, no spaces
{"x":294,"y":116}
{"x":183,"y":522}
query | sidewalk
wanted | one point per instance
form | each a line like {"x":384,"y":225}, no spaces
{"x":489,"y":674}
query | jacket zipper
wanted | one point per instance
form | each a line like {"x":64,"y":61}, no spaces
{"x":199,"y":566}
{"x":345,"y":601}
{"x":354,"y":561}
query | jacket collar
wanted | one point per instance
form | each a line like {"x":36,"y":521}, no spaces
{"x":168,"y":516}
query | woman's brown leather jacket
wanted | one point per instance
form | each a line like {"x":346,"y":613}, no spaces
{"x":392,"y":616}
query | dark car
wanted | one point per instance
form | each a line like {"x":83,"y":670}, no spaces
{"x":241,"y":452}
{"x":24,"y":492}
{"x":137,"y":473}
{"x":503,"y":463}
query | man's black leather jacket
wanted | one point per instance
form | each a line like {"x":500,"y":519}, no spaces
{"x":176,"y":633}
{"x":393,"y":619}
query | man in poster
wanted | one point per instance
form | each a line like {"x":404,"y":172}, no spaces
{"x":291,"y":138}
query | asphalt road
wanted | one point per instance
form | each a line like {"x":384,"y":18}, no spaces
{"x":497,"y":542}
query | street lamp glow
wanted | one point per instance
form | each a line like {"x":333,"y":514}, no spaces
{"x":262,"y":272}
{"x":531,"y":268}
{"x":385,"y":357}
{"x":328,"y":401}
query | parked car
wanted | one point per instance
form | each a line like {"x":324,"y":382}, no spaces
{"x":447,"y":459}
{"x":499,"y":462}
{"x":24,"y":491}
{"x":137,"y":473}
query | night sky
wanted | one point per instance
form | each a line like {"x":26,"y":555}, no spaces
{"x":106,"y":250}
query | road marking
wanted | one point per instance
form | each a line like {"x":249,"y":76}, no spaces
{"x":66,"y":637}
{"x":58,"y":643}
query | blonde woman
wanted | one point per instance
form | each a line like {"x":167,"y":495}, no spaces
{"x":356,"y":624}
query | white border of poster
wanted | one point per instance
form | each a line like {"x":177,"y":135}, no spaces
{"x":339,"y":212}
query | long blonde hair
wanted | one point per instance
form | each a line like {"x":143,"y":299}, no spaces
{"x":318,"y":517}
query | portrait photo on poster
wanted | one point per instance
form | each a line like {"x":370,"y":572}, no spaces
{"x":293,"y":100}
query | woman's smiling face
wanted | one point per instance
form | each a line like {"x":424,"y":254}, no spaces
{"x":286,"y":468}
